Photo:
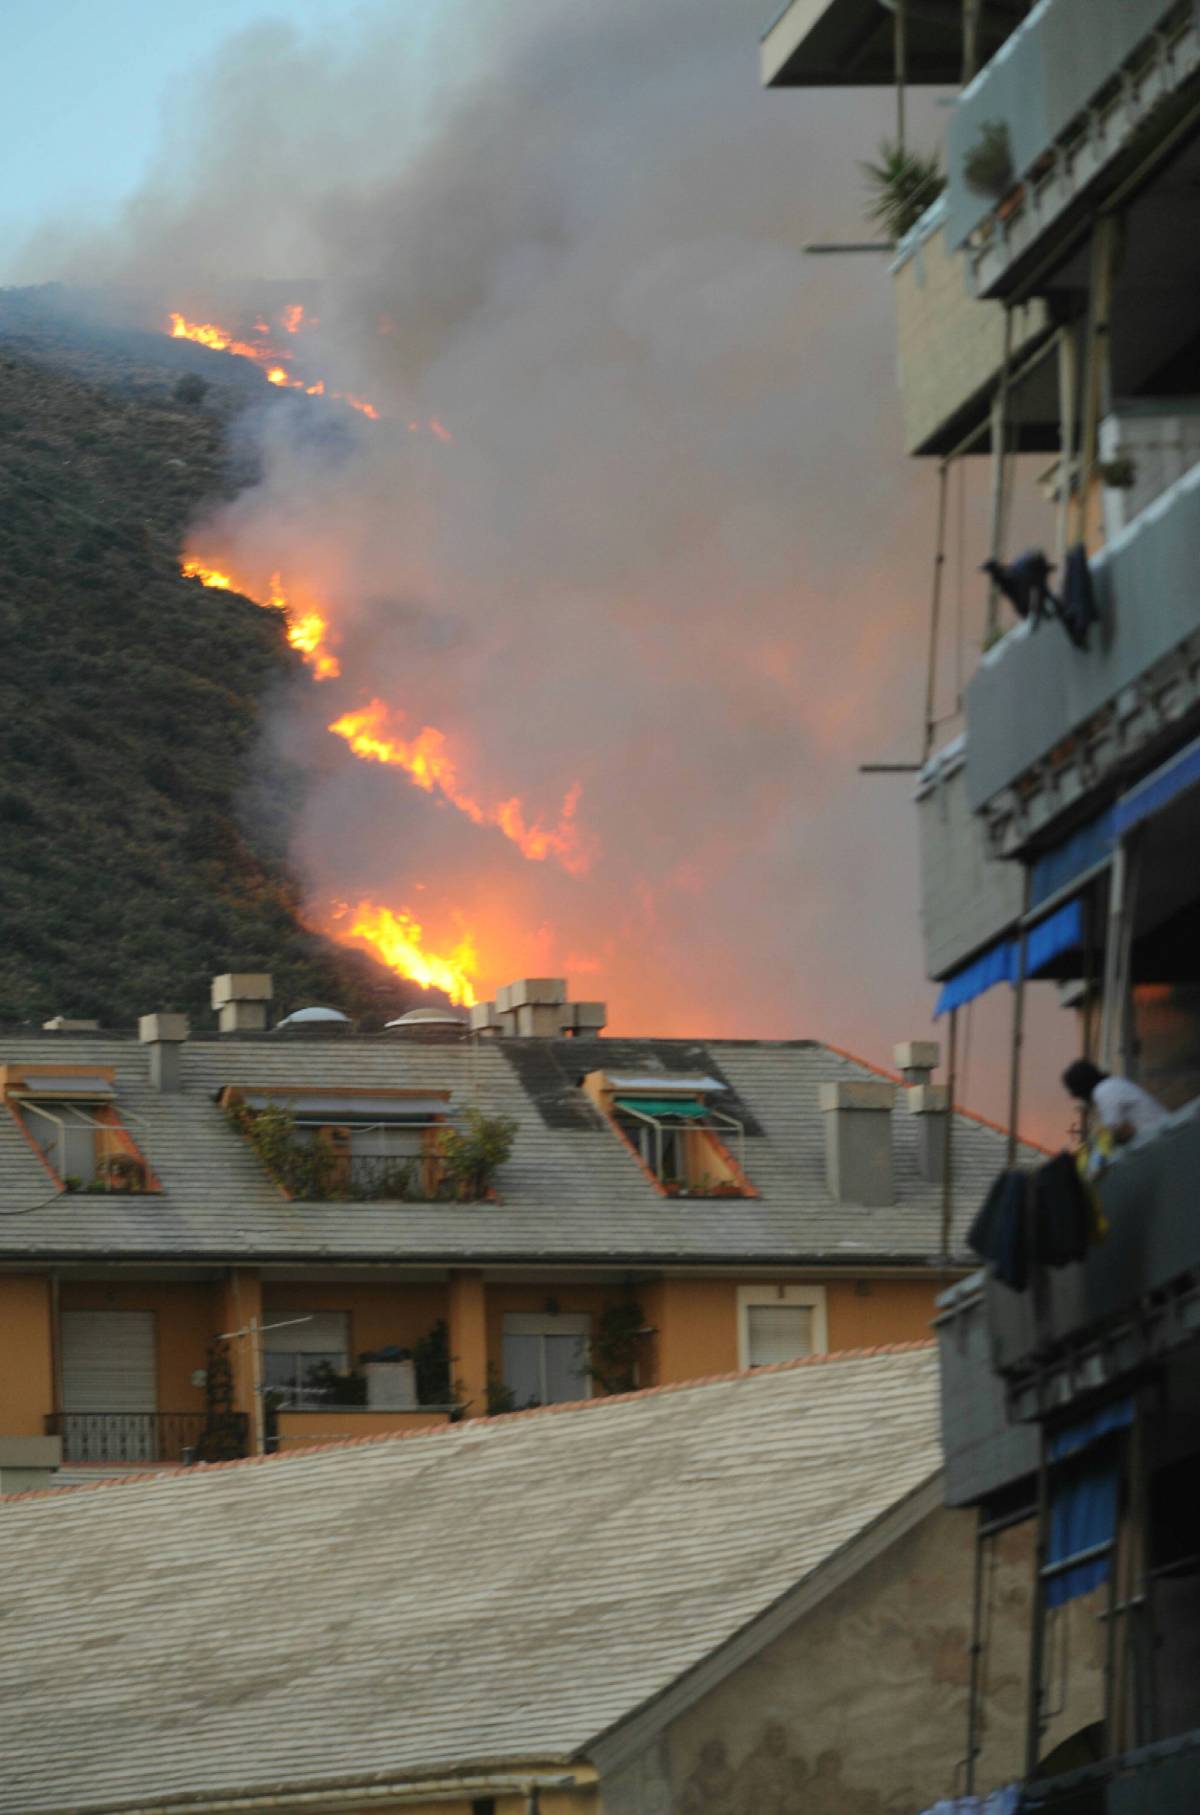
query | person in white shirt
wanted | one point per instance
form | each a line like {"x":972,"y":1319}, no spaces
{"x":1121,"y":1106}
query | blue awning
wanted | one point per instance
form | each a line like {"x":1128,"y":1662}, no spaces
{"x":1158,"y":789}
{"x":1084,"y":1506}
{"x":1085,"y":850}
{"x":1058,"y":933}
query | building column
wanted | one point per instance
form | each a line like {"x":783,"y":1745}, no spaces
{"x":239,"y":1315}
{"x":27,"y":1394}
{"x":467,"y":1303}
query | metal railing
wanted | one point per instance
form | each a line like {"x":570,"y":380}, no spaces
{"x":149,"y":1436}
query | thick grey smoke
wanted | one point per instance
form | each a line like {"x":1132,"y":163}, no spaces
{"x":672,"y":552}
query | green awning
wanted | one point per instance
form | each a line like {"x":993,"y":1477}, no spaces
{"x":661,"y":1106}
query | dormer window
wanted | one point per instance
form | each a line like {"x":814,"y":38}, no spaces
{"x":71,"y":1116}
{"x":346,"y":1145}
{"x":688,"y":1145}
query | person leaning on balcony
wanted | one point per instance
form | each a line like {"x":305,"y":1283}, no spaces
{"x":1121,"y":1106}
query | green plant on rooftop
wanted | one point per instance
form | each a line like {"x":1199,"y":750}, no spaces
{"x":328,"y":1384}
{"x":304,"y":1169}
{"x":617,"y":1346}
{"x":431,"y":1360}
{"x":499,"y":1398}
{"x":902,"y":185}
{"x":472,"y":1156}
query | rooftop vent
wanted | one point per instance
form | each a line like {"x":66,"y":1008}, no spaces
{"x":433,"y":1024}
{"x":858,"y":1141}
{"x":537,"y":1005}
{"x":916,"y":1061}
{"x":240,"y":999}
{"x":314,"y":1017}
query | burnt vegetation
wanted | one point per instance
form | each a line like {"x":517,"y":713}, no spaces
{"x":132,"y":703}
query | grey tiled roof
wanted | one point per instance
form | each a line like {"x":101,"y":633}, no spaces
{"x":500,"y":1591}
{"x":571,"y":1192}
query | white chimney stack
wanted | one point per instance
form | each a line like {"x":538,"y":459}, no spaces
{"x":537,"y":1006}
{"x":916,"y":1061}
{"x":240,"y":999}
{"x":858,"y":1141}
{"x":164,"y":1034}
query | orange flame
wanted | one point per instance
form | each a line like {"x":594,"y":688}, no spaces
{"x":426,"y":762}
{"x":221,"y":340}
{"x":398,"y":940}
{"x":306,"y":630}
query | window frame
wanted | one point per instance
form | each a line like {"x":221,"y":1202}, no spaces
{"x":801,"y":1297}
{"x":551,"y":1323}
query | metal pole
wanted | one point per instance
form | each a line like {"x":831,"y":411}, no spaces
{"x":971,"y":11}
{"x":976,"y":1658}
{"x":999,"y":437}
{"x":900,"y":44}
{"x":260,"y":1441}
{"x":1112,"y":954}
{"x":948,"y":1139}
{"x":1033,"y":1728}
{"x":935,"y":610}
{"x":1018,"y":1032}
{"x":1068,"y":411}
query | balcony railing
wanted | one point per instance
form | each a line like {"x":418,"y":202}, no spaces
{"x":1035,"y":692}
{"x":140,"y":1437}
{"x":1051,"y":116}
{"x":1081,"y":1327}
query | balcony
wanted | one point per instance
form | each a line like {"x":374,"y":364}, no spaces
{"x":1069,"y":104}
{"x":140,"y":1438}
{"x":1136,"y":1295}
{"x":984,"y":1452}
{"x":968,"y":898}
{"x":851,"y":43}
{"x":951,"y":348}
{"x":1049,"y":724}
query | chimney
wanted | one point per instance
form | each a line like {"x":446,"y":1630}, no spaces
{"x":916,"y":1061}
{"x":858,"y":1141}
{"x":240,"y":999}
{"x":537,"y":1006}
{"x":164,"y":1035}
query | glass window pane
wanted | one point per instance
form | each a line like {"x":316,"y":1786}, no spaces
{"x":566,"y":1368}
{"x":522,"y":1369}
{"x":778,"y":1333}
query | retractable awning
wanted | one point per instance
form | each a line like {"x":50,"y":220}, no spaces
{"x":661,"y":1106}
{"x":1001,"y":963}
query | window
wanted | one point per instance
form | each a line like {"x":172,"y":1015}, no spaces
{"x":780,"y":1323}
{"x":677,"y":1129}
{"x":546,"y":1358}
{"x":299,"y":1350}
{"x":72,"y":1117}
{"x":358,"y":1145}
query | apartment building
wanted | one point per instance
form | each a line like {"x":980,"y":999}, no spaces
{"x":1049,"y":357}
{"x":266,"y":1236}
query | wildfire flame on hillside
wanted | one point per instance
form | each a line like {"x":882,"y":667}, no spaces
{"x":398,"y":940}
{"x":425,"y":761}
{"x":221,"y":340}
{"x":307,"y":629}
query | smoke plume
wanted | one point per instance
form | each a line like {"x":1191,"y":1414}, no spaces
{"x":662,"y":544}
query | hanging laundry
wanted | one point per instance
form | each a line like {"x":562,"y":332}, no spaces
{"x":999,"y":1233}
{"x":1078,"y":609}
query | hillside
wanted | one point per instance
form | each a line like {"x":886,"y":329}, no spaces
{"x":131,"y":704}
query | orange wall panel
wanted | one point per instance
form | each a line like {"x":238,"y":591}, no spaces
{"x":26,"y":1355}
{"x":383,"y":1315}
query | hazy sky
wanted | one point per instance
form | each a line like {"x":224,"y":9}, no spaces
{"x":89,"y":84}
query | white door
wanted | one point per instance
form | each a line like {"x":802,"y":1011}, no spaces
{"x":546,"y":1357}
{"x":110,"y":1386}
